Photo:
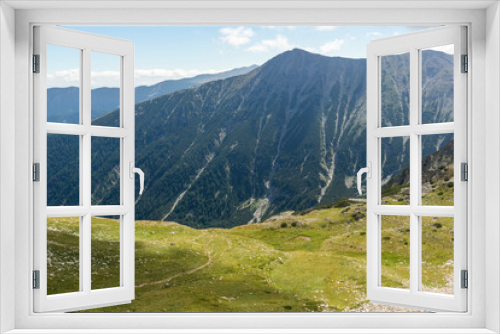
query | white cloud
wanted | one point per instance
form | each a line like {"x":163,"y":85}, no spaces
{"x":325,"y":28}
{"x":65,"y":78}
{"x":310,"y":49}
{"x":152,"y":76}
{"x":329,"y":47}
{"x":70,"y":78}
{"x":105,"y":79}
{"x":373,"y":34}
{"x":450,"y":49}
{"x":236,"y":36}
{"x":280,"y":43}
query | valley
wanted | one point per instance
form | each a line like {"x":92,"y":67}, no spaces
{"x":250,"y":201}
{"x":303,"y":261}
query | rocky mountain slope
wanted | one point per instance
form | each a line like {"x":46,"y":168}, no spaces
{"x":289,"y":135}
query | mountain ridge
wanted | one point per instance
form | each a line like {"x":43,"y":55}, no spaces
{"x":63,"y":103}
{"x":288,"y":135}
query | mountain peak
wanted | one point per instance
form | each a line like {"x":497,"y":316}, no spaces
{"x":297,"y":63}
{"x":296,"y":53}
{"x":293,"y":60}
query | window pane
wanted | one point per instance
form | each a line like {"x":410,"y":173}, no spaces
{"x":63,"y":170}
{"x":105,"y":248}
{"x":63,"y":84}
{"x":395,"y":86}
{"x":437,"y":84}
{"x":105,"y":171}
{"x":395,"y":257}
{"x":395,"y":172}
{"x":437,"y":170}
{"x":63,"y":255}
{"x":105,"y":94}
{"x":437,"y":254}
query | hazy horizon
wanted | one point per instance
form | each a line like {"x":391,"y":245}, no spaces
{"x":223,"y":49}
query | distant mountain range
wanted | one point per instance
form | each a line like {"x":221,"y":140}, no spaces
{"x":63,"y":103}
{"x":288,"y":135}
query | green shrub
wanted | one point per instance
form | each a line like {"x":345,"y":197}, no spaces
{"x":342,"y":203}
{"x":450,"y":184}
{"x":303,"y":212}
{"x":386,"y":238}
{"x":294,"y":224}
{"x":437,"y":225}
{"x":440,"y":193}
{"x":284,"y":225}
{"x":357,"y":216}
{"x":446,"y":178}
{"x":393,"y":190}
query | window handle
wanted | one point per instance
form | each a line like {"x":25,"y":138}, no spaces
{"x":368,"y":171}
{"x":139,"y":171}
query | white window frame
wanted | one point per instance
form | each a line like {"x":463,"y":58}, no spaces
{"x":87,"y":44}
{"x":484,"y":271}
{"x":413,"y":44}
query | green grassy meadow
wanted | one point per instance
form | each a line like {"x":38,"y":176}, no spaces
{"x":309,"y":261}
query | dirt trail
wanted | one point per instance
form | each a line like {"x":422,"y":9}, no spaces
{"x":187,"y":272}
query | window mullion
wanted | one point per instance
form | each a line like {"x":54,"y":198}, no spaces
{"x":414,"y":170}
{"x":85,"y":179}
{"x":420,"y":129}
{"x":405,"y":210}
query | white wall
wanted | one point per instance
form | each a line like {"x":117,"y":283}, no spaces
{"x":477,"y":127}
{"x":7,"y":163}
{"x":492,"y":165}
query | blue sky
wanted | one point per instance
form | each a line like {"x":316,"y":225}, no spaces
{"x":164,"y":53}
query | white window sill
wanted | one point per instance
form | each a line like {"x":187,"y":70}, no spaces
{"x":251,"y":331}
